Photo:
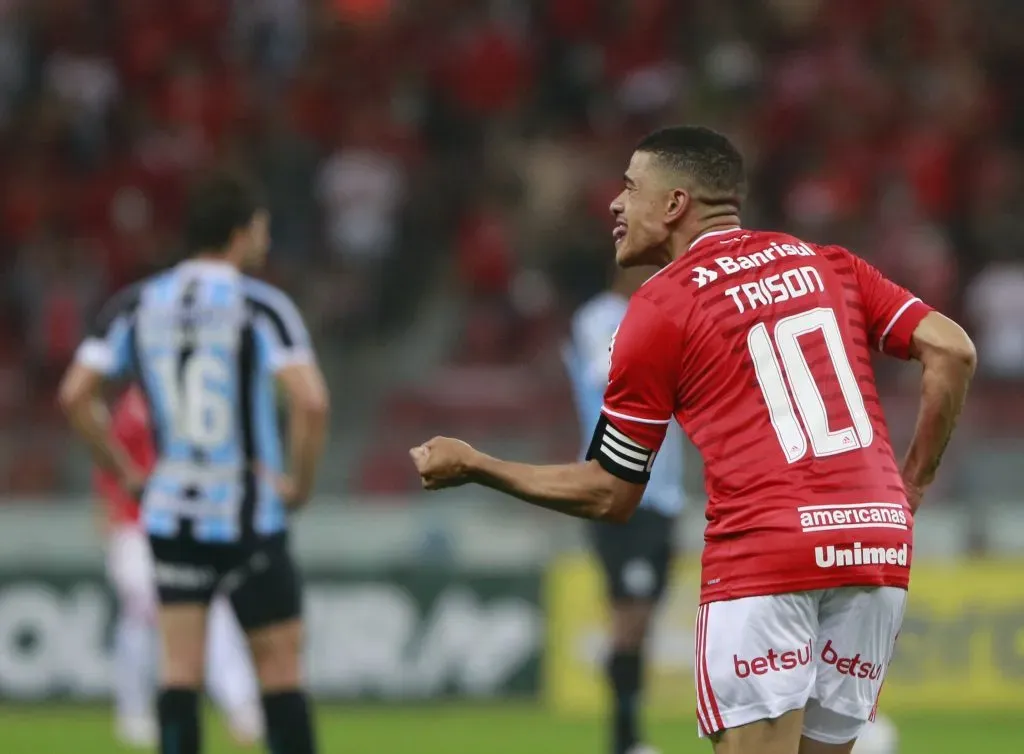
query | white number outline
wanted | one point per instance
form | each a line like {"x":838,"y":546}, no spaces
{"x":199,"y":413}
{"x":782,"y":371}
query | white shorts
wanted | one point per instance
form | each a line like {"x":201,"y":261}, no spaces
{"x":130,"y":570}
{"x":827,"y":651}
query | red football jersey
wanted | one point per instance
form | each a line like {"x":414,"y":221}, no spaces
{"x":760,"y":346}
{"x":130,"y":425}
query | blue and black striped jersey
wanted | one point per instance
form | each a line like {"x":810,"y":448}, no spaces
{"x":205,"y":343}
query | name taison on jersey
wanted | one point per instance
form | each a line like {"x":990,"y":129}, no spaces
{"x":204,"y":342}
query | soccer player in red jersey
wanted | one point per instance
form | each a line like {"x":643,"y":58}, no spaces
{"x":759,"y":345}
{"x":230,"y":677}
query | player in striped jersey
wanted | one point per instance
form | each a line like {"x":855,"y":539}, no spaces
{"x":637,"y":556}
{"x":209,"y":347}
{"x":230,"y":678}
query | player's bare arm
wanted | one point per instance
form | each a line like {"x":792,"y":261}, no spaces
{"x":583,"y":490}
{"x":79,"y":398}
{"x":949,"y":359}
{"x":308,"y":408}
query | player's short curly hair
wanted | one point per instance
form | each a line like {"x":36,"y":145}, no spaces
{"x":218,"y":205}
{"x":704,"y":156}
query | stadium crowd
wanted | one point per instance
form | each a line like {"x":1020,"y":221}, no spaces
{"x":411,"y":149}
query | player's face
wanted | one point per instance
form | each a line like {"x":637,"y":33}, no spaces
{"x":641,"y":232}
{"x":257,"y":240}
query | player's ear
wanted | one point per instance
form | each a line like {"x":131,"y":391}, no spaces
{"x":678,"y":202}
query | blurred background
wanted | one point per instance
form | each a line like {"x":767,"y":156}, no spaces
{"x":439,"y":173}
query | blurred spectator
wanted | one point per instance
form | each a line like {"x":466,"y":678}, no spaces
{"x":82,"y":76}
{"x":57,"y":286}
{"x":995,"y":304}
{"x":270,"y":34}
{"x":14,"y":52}
{"x":286,"y":163}
{"x":361,"y":187}
{"x":435,"y":164}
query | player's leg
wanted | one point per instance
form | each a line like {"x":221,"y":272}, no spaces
{"x":858,"y":632}
{"x":851,"y":734}
{"x":636,"y":558}
{"x":230,"y":677}
{"x":754,"y":671}
{"x":779,"y":735}
{"x":266,"y":594}
{"x":625,"y":667}
{"x":185,"y":585}
{"x":182,"y":636}
{"x":129,"y":568}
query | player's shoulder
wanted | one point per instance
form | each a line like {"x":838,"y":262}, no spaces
{"x":753,"y":247}
{"x":663,"y":295}
{"x":122,"y":303}
{"x":265,"y":294}
{"x":269,"y":301}
{"x":791,"y":245}
{"x":716,"y":260}
{"x":129,"y":296}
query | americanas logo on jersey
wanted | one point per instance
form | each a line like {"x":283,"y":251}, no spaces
{"x":844,"y":557}
{"x":853,"y":516}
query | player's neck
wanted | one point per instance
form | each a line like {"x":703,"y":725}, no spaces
{"x":214,"y":258}
{"x":683,"y":242}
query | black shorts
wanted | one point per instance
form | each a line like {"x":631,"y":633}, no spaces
{"x":260,"y":578}
{"x":636,"y":556}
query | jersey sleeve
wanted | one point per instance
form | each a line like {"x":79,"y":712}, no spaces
{"x":892,"y":312}
{"x":283,"y":331}
{"x":108,"y":347}
{"x":130,"y":427}
{"x":128,"y":432}
{"x":640,"y":399}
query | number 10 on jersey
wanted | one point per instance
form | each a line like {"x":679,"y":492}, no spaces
{"x":782,"y":371}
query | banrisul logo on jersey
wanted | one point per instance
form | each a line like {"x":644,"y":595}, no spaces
{"x":774,"y":251}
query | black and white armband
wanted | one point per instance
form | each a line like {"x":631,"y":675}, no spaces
{"x":619,"y":455}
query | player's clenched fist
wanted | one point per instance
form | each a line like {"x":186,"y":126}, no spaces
{"x":442,"y":462}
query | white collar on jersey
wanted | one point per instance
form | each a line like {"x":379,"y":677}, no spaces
{"x":209,"y":267}
{"x":712,"y":233}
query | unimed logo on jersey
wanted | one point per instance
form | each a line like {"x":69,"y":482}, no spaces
{"x":852,"y":516}
{"x":844,"y":557}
